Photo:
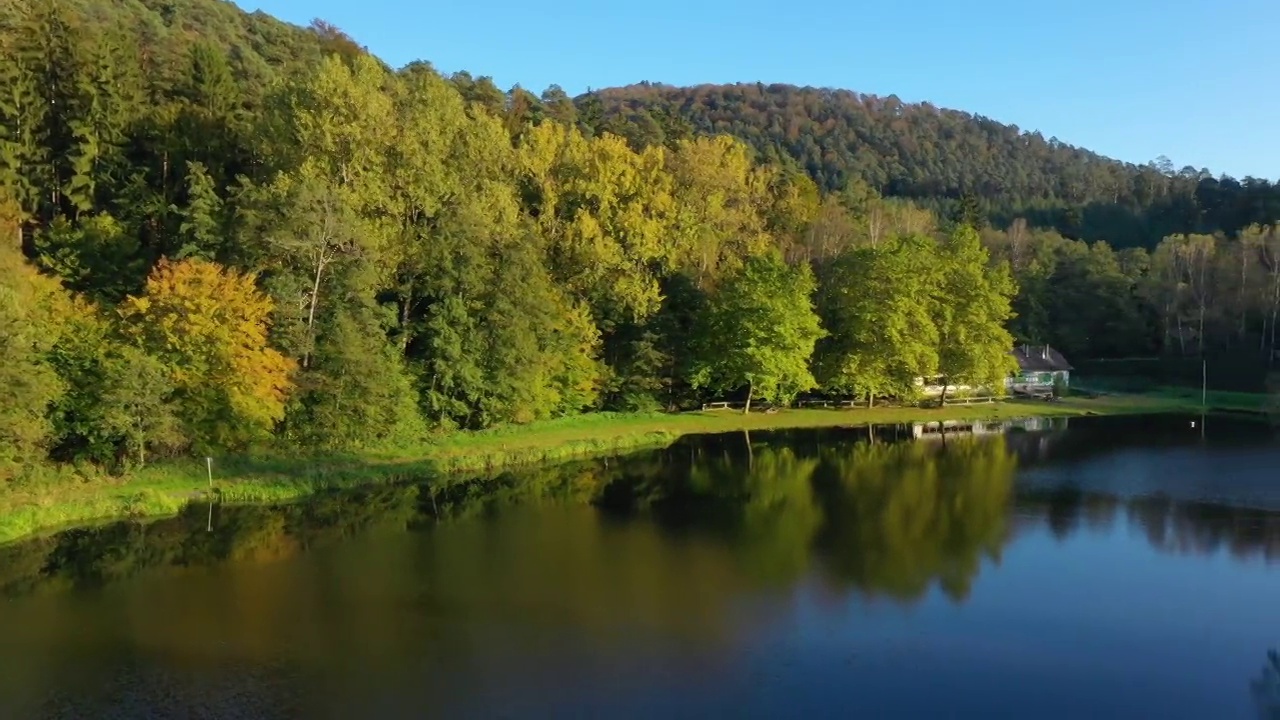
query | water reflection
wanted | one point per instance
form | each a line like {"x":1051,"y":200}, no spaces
{"x":1266,"y":688}
{"x":873,"y":510}
{"x":911,"y":514}
{"x":725,"y":576}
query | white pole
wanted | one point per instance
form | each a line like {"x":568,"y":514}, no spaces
{"x":208,"y":462}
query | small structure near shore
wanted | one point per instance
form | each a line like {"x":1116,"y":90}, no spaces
{"x":1040,"y":369}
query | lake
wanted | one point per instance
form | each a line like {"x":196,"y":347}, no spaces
{"x":1097,"y":567}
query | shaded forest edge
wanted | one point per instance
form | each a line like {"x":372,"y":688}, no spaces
{"x":221,"y":235}
{"x":66,"y":497}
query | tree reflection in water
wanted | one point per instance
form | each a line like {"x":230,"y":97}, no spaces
{"x":1266,"y":688}
{"x":872,"y":512}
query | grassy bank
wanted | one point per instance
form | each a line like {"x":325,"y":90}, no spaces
{"x":59,"y":498}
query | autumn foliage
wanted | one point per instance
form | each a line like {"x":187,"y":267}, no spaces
{"x":234,"y":231}
{"x":208,"y":325}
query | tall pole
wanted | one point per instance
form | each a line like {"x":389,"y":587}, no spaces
{"x":1204,"y":393}
{"x":1204,"y":384}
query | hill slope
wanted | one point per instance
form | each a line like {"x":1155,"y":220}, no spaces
{"x":938,"y":156}
{"x":257,"y":45}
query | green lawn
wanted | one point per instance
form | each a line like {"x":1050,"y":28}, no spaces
{"x":56,"y":498}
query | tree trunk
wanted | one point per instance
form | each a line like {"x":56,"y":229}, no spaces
{"x":1271,"y":356}
{"x":1275,"y":310}
{"x":747,"y":408}
{"x":871,"y":400}
{"x":942,"y":399}
{"x":311,"y":314}
{"x":1200,"y":329}
{"x":751,"y":458}
{"x":671,"y":385}
{"x":404,"y":319}
{"x":1243,"y":301}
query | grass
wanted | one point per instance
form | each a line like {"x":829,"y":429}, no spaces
{"x":52,"y":498}
{"x":1216,"y":400}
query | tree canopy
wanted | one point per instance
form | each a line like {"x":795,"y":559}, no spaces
{"x":220,"y":231}
{"x":759,"y":332}
{"x":958,"y":164}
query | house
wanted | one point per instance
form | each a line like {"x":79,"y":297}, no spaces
{"x":1039,"y":368}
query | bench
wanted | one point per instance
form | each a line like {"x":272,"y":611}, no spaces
{"x":814,"y":403}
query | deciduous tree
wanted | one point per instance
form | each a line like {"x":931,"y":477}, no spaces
{"x":882,"y":335}
{"x":759,"y":332}
{"x":208,"y":326}
{"x":971,"y":308}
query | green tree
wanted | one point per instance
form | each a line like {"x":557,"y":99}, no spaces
{"x":22,"y":114}
{"x":559,"y":106}
{"x":882,"y":335}
{"x":97,"y":256}
{"x":604,"y":210}
{"x":971,"y":308}
{"x":32,"y":311}
{"x":759,"y":331}
{"x":358,"y":393}
{"x":138,"y":404}
{"x":201,"y":232}
{"x":718,"y":195}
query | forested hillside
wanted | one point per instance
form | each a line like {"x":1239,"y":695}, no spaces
{"x":939,"y":157}
{"x":224,"y":233}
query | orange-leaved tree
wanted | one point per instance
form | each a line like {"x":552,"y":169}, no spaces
{"x":208,"y":325}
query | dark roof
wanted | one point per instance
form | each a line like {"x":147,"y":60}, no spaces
{"x":1040,"y":358}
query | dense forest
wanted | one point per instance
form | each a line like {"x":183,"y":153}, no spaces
{"x":945,"y":160}
{"x":222,"y":232}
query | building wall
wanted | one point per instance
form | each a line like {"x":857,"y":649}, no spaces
{"x":1038,"y":380}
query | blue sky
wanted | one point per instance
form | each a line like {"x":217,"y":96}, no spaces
{"x":1134,"y":79}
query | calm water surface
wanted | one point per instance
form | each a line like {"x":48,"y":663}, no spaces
{"x":1105,"y":568}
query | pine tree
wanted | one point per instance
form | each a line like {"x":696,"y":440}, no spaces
{"x":201,"y":230}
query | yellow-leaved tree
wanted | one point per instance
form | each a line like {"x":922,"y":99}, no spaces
{"x":605,"y":211}
{"x":208,"y":325}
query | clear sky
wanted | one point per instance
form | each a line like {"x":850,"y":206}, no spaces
{"x":1195,"y":80}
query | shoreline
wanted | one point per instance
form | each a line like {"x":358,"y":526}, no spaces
{"x":66,"y":499}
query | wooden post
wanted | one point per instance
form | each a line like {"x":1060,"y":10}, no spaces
{"x":208,"y":465}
